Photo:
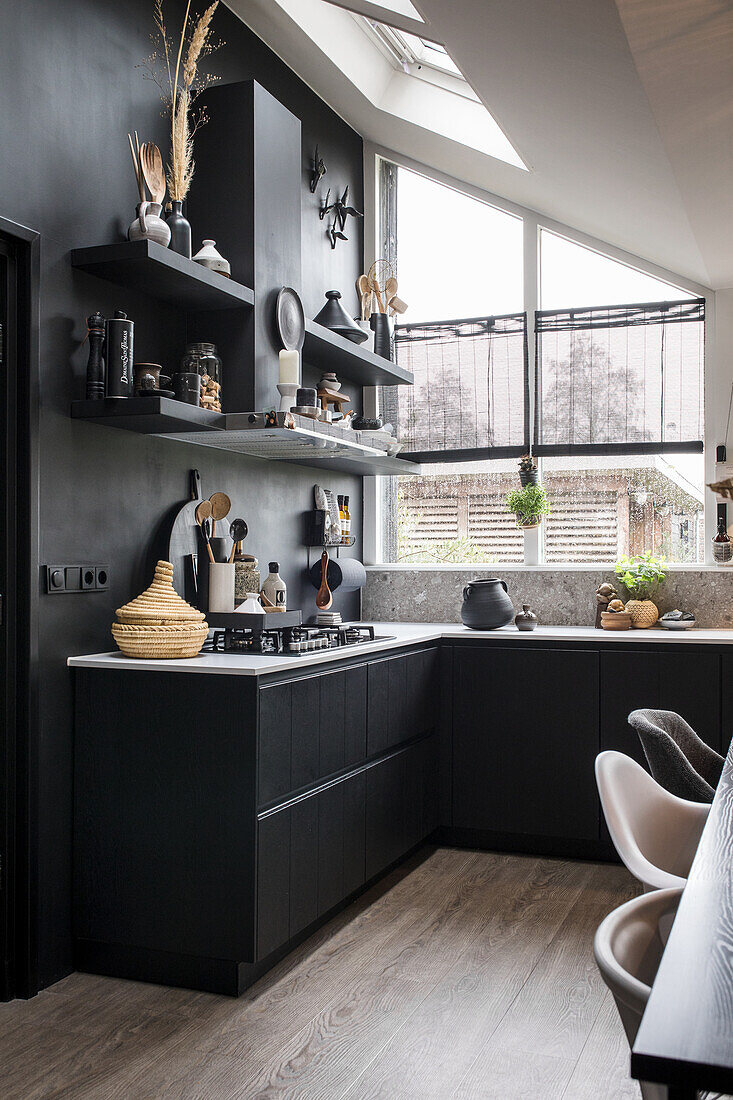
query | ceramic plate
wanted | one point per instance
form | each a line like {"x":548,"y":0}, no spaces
{"x":676,"y":624}
{"x":290,"y":319}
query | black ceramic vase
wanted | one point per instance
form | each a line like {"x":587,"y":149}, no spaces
{"x":382,"y":328}
{"x":486,"y":605}
{"x":180,"y":230}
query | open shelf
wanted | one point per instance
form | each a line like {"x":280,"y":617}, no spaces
{"x":329,"y":351}
{"x":162,"y":416}
{"x":162,"y":273}
{"x":304,"y":446}
{"x":148,"y":415}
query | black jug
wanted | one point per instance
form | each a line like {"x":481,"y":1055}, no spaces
{"x":486,"y":605}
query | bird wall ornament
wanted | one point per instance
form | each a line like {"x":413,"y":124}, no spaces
{"x":341,"y":211}
{"x":319,"y":171}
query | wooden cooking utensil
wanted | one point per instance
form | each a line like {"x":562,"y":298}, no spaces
{"x":390,"y":288}
{"x":136,"y":166}
{"x":203,"y":511}
{"x":364,"y":292}
{"x":220,"y":507}
{"x":324,"y":599}
{"x":237,"y":533}
{"x":398,"y":306}
{"x":206,"y":532}
{"x":151,"y":164}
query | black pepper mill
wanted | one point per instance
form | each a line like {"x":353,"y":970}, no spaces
{"x":95,"y":366}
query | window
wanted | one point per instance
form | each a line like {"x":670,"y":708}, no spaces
{"x":471,"y":375}
{"x":571,"y":274}
{"x":618,"y":395}
{"x":471,"y":387}
{"x":620,"y":376}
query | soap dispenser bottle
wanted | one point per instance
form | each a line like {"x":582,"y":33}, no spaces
{"x":274,"y":589}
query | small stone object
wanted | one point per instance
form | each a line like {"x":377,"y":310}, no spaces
{"x":604,"y":594}
{"x":616,"y":605}
{"x":526,"y":619}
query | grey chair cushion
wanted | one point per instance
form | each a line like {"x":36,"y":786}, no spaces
{"x":678,"y":759}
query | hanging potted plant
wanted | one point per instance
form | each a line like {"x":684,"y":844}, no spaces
{"x":641,"y":577}
{"x":527,"y":470}
{"x":529,"y":505}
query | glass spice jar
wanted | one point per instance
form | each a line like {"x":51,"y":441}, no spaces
{"x":201,"y":358}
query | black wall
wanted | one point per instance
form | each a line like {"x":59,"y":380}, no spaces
{"x":70,"y":91}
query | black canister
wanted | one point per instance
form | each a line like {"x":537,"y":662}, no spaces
{"x":486,"y":605}
{"x":383,"y":330}
{"x":119,"y":333}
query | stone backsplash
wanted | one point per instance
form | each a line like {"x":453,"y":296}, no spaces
{"x":558,"y":597}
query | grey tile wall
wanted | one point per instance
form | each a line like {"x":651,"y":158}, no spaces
{"x":559,"y":598}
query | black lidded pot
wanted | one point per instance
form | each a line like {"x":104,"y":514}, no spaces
{"x":334,"y":316}
{"x":486,"y":605}
{"x":118,"y":354}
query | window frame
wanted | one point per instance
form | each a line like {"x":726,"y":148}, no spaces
{"x":715,"y":388}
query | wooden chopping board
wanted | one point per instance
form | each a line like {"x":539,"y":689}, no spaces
{"x":183,"y":544}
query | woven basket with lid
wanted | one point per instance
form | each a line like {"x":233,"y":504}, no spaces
{"x":159,"y":623}
{"x":160,"y":603}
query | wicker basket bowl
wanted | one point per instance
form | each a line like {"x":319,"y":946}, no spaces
{"x":644,"y":613}
{"x":160,"y":642}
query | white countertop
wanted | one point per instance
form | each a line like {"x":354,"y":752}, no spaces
{"x":232,"y":664}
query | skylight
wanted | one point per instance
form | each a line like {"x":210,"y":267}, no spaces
{"x":418,"y":56}
{"x":400,"y":72}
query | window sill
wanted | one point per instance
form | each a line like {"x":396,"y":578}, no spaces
{"x":572,"y":567}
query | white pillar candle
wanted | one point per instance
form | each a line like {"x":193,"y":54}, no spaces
{"x":289,"y":368}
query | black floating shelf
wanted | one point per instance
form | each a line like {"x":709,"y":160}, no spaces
{"x":150,"y":415}
{"x":330,"y":352}
{"x":148,"y":267}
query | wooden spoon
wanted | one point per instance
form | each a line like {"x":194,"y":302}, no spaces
{"x":324,"y":599}
{"x":390,"y":288}
{"x":203,"y":511}
{"x":364,"y":291}
{"x":220,"y":508}
{"x":151,"y":163}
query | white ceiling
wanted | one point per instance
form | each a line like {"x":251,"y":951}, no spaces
{"x":626,"y":127}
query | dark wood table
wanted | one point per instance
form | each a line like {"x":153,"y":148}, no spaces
{"x":686,"y":1036}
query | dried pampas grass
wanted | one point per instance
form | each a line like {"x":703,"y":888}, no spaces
{"x":180,"y":86}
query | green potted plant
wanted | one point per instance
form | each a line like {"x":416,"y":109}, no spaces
{"x":527,"y":470}
{"x":641,"y":577}
{"x":529,"y":505}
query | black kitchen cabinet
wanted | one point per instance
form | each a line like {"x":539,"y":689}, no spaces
{"x":310,"y":728}
{"x":685,"y":680}
{"x":403,"y":694}
{"x":525,"y":736}
{"x":401,"y":803}
{"x":310,"y":857}
{"x":208,"y":842}
{"x":726,"y":716}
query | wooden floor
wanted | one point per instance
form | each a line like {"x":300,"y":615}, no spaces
{"x":471,"y":976}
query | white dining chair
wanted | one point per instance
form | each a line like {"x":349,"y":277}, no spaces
{"x":628,"y":948}
{"x":655,"y":833}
